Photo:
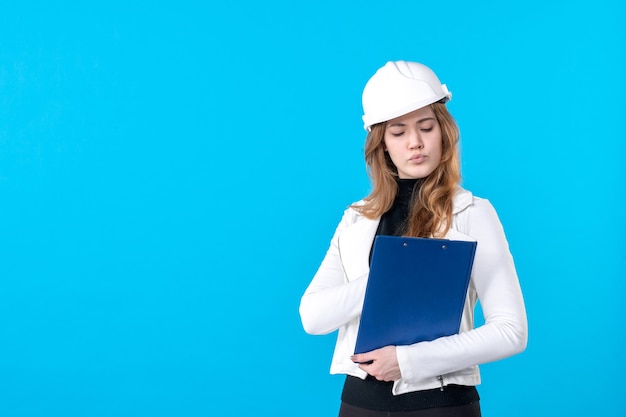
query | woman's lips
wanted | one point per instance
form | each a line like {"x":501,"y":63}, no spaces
{"x":417,"y":158}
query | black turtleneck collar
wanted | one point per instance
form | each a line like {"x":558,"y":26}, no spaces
{"x":406,"y":188}
{"x":393,"y":222}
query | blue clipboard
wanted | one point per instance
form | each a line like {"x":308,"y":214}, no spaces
{"x":415,"y":291}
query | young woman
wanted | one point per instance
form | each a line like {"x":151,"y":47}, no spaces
{"x":412,"y":156}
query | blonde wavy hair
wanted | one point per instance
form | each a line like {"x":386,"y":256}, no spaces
{"x":431,"y":212}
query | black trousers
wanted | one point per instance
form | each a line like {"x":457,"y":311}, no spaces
{"x":469,"y":410}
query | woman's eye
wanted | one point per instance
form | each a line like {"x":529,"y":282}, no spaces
{"x":428,"y":129}
{"x":397,"y":134}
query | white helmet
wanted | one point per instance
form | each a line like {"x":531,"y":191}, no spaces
{"x":399,"y":88}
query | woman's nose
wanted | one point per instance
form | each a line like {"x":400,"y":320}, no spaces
{"x":415,"y":141}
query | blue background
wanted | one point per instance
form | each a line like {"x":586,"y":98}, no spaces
{"x":171,"y":174}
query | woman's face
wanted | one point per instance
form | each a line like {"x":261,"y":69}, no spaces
{"x":413,"y":142}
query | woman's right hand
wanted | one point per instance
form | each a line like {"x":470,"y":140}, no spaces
{"x":381,"y":363}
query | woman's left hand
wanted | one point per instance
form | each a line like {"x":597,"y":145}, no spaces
{"x":381,"y":363}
